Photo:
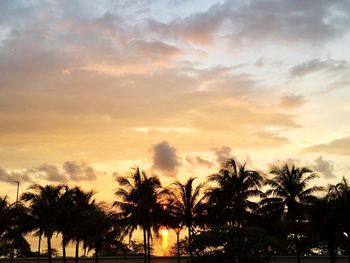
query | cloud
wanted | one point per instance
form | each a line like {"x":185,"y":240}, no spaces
{"x":50,"y":173}
{"x":222,"y":154}
{"x":165,"y":158}
{"x":69,"y":170}
{"x":338,"y":146}
{"x":324,"y":167}
{"x":11,"y":177}
{"x":79,"y":171}
{"x":280,"y":163}
{"x":290,"y":102}
{"x":100,"y":70}
{"x":317,"y":65}
{"x":199,"y":161}
{"x":312,"y":22}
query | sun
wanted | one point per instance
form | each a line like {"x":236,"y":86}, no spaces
{"x":165,"y":233}
{"x":165,"y":240}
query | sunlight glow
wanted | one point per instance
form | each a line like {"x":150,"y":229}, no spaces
{"x":165,"y":241}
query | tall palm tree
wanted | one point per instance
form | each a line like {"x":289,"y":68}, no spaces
{"x":187,"y":205}
{"x":83,"y":204}
{"x":5,"y":219}
{"x":324,"y":223}
{"x":44,"y":204}
{"x":18,"y":225}
{"x":290,"y":196}
{"x":231,"y":198}
{"x":66,"y":219}
{"x":341,"y":194}
{"x":7,"y":225}
{"x":138,"y":204}
{"x":101,"y":230}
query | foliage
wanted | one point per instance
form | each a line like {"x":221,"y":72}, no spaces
{"x":229,"y":219}
{"x":135,"y":248}
{"x":184,"y":248}
{"x":244,"y":244}
{"x":231,"y":198}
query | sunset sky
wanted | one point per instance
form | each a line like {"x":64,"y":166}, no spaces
{"x":89,"y":89}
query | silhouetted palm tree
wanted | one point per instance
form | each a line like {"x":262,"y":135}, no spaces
{"x":44,"y":204}
{"x":83,"y":205}
{"x":187,"y":205}
{"x":6,"y":226}
{"x":102,"y":230}
{"x":324,"y":223}
{"x":139,"y":205}
{"x":341,"y":194}
{"x":290,"y":196}
{"x":230,"y":199}
{"x":5,"y":218}
{"x":66,"y":219}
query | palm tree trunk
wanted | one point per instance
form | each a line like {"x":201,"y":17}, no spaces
{"x":77,"y":251}
{"x":96,"y":255}
{"x":297,"y":247}
{"x":149,"y":245}
{"x":331,"y":251}
{"x":39,"y":245}
{"x":190,"y":242}
{"x":145,"y":245}
{"x":64,"y":249}
{"x":49,"y":249}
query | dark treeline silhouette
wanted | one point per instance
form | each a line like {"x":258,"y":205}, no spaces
{"x":237,"y":215}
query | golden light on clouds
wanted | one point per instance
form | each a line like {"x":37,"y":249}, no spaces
{"x":109,"y":81}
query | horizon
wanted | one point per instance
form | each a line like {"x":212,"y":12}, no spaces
{"x":90,"y":89}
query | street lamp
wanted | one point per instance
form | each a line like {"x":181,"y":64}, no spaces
{"x":12,"y":250}
{"x":17,"y":182}
{"x":177,"y":231}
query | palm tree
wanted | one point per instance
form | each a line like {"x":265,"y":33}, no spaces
{"x":186,"y":205}
{"x":44,"y":204}
{"x":324,"y":223}
{"x":66,"y":219}
{"x":7,"y":225}
{"x":290,"y":196}
{"x":5,"y":219}
{"x":18,"y":225}
{"x":341,"y":194}
{"x":83,"y":204}
{"x":139,"y":205}
{"x":231,"y":198}
{"x":101,"y":230}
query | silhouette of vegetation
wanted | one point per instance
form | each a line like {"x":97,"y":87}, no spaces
{"x":234,"y":244}
{"x":230,"y":200}
{"x":290,"y":196}
{"x":184,"y":248}
{"x":237,"y":215}
{"x":140,"y":206}
{"x":186,"y":206}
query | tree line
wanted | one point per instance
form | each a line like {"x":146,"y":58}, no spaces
{"x":237,"y":215}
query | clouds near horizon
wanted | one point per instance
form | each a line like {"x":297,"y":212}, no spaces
{"x":68,"y":171}
{"x":104,"y":80}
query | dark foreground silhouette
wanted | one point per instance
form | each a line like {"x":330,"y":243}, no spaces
{"x":237,"y":215}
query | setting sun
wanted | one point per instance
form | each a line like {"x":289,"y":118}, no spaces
{"x":165,"y":241}
{"x":107,"y":98}
{"x":165,"y":233}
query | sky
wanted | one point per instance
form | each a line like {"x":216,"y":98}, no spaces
{"x":89,"y":89}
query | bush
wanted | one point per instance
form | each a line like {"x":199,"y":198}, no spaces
{"x":228,"y":243}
